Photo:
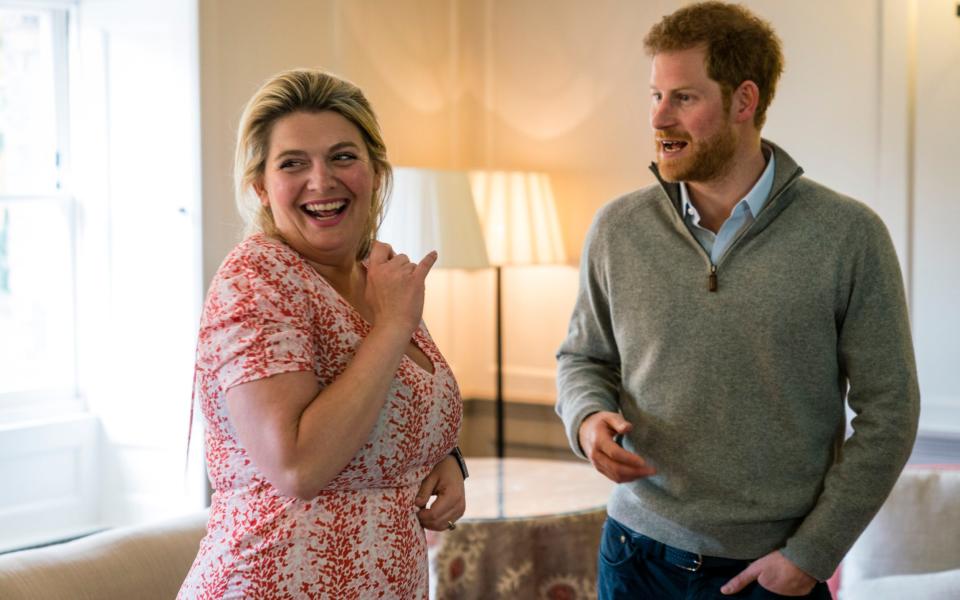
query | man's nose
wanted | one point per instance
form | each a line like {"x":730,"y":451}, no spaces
{"x":661,"y":115}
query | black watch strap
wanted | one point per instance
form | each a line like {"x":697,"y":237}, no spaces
{"x":460,"y":462}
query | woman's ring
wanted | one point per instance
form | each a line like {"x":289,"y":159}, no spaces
{"x":451,"y":525}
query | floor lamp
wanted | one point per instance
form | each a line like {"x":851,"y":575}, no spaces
{"x":432,"y":209}
{"x":518,"y":215}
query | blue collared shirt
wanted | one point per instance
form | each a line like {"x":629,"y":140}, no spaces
{"x":741,"y":217}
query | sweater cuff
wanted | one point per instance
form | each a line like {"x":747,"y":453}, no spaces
{"x":573,"y":426}
{"x":818,"y":563}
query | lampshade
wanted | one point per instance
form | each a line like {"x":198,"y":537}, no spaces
{"x":431,"y":209}
{"x":519,"y":217}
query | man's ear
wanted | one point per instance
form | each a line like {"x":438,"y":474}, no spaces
{"x":744,"y":102}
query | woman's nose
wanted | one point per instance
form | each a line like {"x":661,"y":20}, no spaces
{"x":322,"y":176}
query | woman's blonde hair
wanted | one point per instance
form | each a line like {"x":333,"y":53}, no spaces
{"x":304,"y":90}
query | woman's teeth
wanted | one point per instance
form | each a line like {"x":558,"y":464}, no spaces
{"x":324,"y":209}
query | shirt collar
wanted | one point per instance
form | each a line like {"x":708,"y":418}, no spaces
{"x":755,"y":199}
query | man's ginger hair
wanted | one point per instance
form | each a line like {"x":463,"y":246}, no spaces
{"x":739,"y":47}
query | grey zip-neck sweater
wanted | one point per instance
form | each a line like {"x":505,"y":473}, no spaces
{"x":734,"y":375}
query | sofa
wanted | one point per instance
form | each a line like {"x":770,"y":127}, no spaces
{"x":145,"y":562}
{"x":911,"y":549}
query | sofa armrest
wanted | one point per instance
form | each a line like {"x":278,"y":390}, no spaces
{"x":944,"y":585}
{"x":916,"y":531}
{"x":144,"y":562}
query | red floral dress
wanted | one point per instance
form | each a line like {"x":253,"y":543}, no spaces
{"x":269,"y":312}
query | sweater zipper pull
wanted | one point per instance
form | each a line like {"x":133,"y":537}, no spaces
{"x":712,"y":280}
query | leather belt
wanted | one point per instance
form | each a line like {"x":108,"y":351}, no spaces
{"x":688,"y":561}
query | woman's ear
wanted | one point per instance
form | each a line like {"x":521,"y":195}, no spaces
{"x":261,"y":193}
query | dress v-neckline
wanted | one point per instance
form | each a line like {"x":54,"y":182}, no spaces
{"x":418,"y":339}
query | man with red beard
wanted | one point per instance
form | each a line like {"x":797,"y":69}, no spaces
{"x":725,"y":317}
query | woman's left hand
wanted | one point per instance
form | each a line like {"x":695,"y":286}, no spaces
{"x":446,"y":483}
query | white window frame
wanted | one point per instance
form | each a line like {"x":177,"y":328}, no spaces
{"x":46,"y":436}
{"x":88,"y":459}
{"x":40,"y":403}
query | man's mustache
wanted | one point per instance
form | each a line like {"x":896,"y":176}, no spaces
{"x":671,"y":134}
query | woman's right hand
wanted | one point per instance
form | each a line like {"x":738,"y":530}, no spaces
{"x":395,"y":287}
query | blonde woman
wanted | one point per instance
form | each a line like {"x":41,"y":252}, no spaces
{"x":330,"y":414}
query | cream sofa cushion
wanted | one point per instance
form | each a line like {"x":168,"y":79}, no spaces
{"x":917,"y":531}
{"x":142,"y":562}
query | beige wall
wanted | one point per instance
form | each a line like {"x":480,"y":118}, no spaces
{"x":559,"y":86}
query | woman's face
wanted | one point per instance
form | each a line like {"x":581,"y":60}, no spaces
{"x":318,"y":182}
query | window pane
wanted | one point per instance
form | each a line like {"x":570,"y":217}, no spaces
{"x":36,"y":296}
{"x":28,"y":117}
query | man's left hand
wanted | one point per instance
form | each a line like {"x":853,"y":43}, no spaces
{"x":445,"y":482}
{"x":775,"y":573}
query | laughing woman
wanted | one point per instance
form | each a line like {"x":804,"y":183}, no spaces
{"x":330,"y":414}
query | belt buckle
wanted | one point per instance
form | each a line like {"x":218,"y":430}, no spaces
{"x":695,"y":567}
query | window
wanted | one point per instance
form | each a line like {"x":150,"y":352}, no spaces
{"x":100,"y":285}
{"x":37,"y":212}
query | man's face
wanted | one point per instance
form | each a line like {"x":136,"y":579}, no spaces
{"x":693,"y":131}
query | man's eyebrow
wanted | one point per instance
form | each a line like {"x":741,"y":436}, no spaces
{"x":682,"y":88}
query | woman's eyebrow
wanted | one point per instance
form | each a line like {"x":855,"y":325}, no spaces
{"x":299,"y":152}
{"x":342,"y":145}
{"x":292,"y":152}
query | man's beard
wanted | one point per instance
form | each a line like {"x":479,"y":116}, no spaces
{"x":711,"y":159}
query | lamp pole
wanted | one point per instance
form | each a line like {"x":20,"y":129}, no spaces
{"x":499,"y":398}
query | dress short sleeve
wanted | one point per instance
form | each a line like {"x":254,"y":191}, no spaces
{"x":257,"y":319}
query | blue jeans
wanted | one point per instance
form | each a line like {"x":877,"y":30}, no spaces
{"x":633,"y":566}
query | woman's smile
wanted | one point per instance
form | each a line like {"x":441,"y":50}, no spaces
{"x":326,"y":213}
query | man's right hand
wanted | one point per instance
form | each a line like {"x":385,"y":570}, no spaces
{"x":609,"y":458}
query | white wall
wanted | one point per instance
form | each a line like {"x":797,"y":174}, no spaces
{"x":936,"y":211}
{"x":50,"y":481}
{"x":138,"y":153}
